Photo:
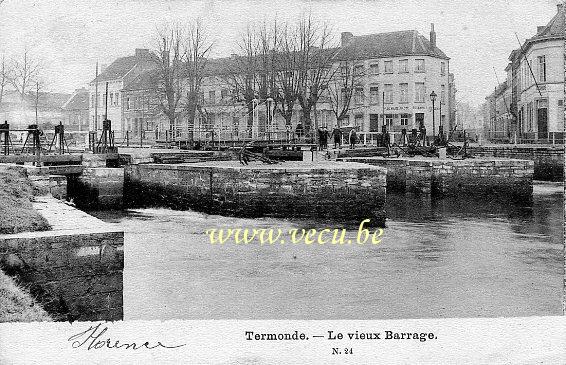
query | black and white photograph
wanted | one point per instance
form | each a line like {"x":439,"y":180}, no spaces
{"x":294,"y":160}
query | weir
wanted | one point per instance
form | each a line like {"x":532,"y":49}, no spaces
{"x":505,"y":178}
{"x":346,"y":191}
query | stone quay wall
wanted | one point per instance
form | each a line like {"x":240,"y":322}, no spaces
{"x":548,"y":160}
{"x":345,"y":191}
{"x":74,"y":270}
{"x":496,"y":177}
{"x":97,"y":187}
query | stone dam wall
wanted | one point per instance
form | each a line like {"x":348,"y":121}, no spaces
{"x":74,"y":270}
{"x":447,"y":177}
{"x":338,"y":190}
{"x":548,"y":160}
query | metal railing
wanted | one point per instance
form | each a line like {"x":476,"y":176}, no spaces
{"x":551,"y":138}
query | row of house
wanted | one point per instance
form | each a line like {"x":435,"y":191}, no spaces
{"x":401,"y":69}
{"x":529,"y":104}
{"x":45,"y":109}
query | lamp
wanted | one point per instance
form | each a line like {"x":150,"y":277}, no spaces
{"x":433,"y":99}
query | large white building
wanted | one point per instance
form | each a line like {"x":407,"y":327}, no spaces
{"x":540,"y":79}
{"x":117,"y":75}
{"x":534,"y":108}
{"x":401,"y":69}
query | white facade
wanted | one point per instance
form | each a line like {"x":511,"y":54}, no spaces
{"x":541,"y":108}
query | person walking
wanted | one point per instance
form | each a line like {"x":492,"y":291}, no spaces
{"x":324,"y":138}
{"x":353,"y":138}
{"x":337,"y":134}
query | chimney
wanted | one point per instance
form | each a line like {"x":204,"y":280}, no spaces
{"x":142,"y":52}
{"x":540,"y":28}
{"x":345,"y":38}
{"x":102,"y":67}
{"x":432,"y":36}
{"x":560,"y":6}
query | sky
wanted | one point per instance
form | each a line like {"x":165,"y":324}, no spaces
{"x":71,"y":36}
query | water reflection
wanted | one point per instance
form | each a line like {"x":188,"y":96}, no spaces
{"x":439,"y":258}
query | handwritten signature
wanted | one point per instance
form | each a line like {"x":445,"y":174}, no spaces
{"x":92,"y":339}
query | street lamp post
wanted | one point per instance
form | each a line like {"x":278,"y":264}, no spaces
{"x":433,"y":99}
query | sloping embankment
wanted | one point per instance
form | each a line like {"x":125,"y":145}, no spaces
{"x":16,"y":305}
{"x":16,"y":211}
{"x":18,"y":215}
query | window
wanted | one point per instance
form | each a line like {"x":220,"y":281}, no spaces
{"x":420,"y":92}
{"x":404,"y":66}
{"x":224,"y":94}
{"x":211,"y":96}
{"x":419,"y":65}
{"x":442,"y":68}
{"x":388,"y":67}
{"x":374,"y":95}
{"x":443,"y":94}
{"x":117,"y":99}
{"x":359,"y":121}
{"x":388,"y":94}
{"x":358,"y":70}
{"x":374,"y":67}
{"x":359,"y":95}
{"x":542,"y":68}
{"x":404,"y":93}
{"x":404,"y":119}
{"x":389,"y":120}
{"x":112,"y":99}
{"x":127,"y":103}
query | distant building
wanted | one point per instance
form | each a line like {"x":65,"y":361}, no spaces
{"x":401,"y":69}
{"x":116,"y":76}
{"x":535,"y":83}
{"x":76,"y":111}
{"x":43,"y":108}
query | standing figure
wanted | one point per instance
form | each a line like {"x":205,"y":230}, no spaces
{"x":324,"y":138}
{"x":353,"y":138}
{"x":337,"y":134}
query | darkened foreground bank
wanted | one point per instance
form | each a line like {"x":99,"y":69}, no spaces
{"x":16,"y":305}
{"x":74,"y":270}
{"x":346,"y":191}
{"x":16,"y":194}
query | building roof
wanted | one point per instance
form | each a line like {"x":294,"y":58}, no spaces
{"x":143,"y":81}
{"x":121,"y":66}
{"x":555,"y":27}
{"x":392,"y":44}
{"x":553,"y":30}
{"x":77,"y":101}
{"x":49,"y":100}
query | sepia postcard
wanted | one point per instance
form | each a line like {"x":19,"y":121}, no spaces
{"x":247,"y":182}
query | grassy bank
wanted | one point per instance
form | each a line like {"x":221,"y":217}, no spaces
{"x":16,"y":211}
{"x":16,"y":305}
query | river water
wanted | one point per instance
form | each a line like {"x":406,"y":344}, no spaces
{"x":440,"y":258}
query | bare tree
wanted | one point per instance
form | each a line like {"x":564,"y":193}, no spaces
{"x":167,"y":77}
{"x":243,"y":71}
{"x":4,"y":78}
{"x":346,"y":75}
{"x":316,"y":55}
{"x":22,"y":73}
{"x":287,"y":72}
